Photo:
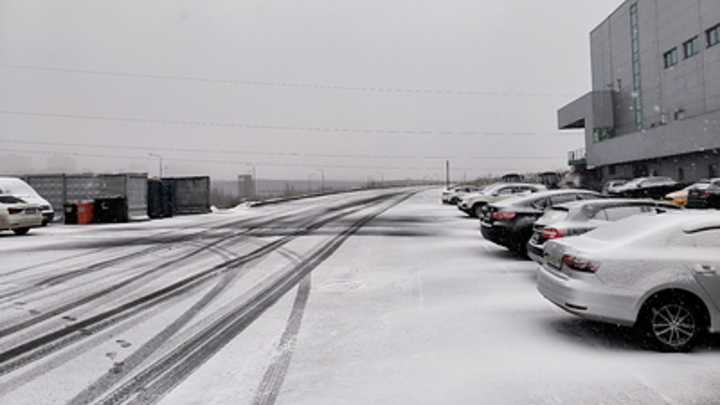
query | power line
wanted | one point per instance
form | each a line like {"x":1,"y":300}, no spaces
{"x":365,"y":131}
{"x":283,"y":84}
{"x":262,"y":153}
{"x":235,"y":162}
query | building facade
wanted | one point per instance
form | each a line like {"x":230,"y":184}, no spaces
{"x":654,"y":108}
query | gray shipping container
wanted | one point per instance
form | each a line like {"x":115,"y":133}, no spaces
{"x":191,"y":195}
{"x":60,"y":189}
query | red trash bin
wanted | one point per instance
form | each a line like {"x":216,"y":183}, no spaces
{"x":85,"y":212}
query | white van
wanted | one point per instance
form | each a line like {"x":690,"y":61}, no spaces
{"x":22,"y":190}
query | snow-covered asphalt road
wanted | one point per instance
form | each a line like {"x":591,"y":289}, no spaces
{"x":370,"y":297}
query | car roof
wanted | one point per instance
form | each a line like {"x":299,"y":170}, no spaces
{"x":640,"y":226}
{"x":542,"y":194}
{"x":615,"y":202}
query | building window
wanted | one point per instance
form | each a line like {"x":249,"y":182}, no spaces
{"x":681,"y":174}
{"x":670,"y":58}
{"x":612,"y":170}
{"x":635,"y":47}
{"x":690,"y":47}
{"x":601,"y":134}
{"x":713,"y":35}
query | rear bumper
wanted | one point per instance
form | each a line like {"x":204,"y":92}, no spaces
{"x":535,"y":252}
{"x":585,"y":296}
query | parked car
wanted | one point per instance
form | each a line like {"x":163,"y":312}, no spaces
{"x":655,"y":187}
{"x":612,"y":185}
{"x":17,"y":215}
{"x":680,"y":197}
{"x":472,"y":204}
{"x":658,"y":273}
{"x":705,"y":196}
{"x":578,"y":217}
{"x":453,"y":194}
{"x":20,"y":189}
{"x":509,"y":223}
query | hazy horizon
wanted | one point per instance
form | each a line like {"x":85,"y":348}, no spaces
{"x":292,"y":90}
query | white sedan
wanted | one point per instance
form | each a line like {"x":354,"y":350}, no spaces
{"x":18,"y":216}
{"x":658,"y":273}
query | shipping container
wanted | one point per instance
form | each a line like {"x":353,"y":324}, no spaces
{"x":159,"y":198}
{"x":190,"y":195}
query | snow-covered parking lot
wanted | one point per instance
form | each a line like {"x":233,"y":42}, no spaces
{"x":411,"y":307}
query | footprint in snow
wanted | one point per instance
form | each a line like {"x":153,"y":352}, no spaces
{"x":123,"y":343}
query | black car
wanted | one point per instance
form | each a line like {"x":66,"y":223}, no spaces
{"x":509,"y":223}
{"x":705,"y":197}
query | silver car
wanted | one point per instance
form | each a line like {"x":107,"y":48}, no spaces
{"x":579,"y":217}
{"x":658,"y":273}
{"x":472,"y":204}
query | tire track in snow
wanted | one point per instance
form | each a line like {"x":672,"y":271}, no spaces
{"x":41,"y":346}
{"x":159,"y":378}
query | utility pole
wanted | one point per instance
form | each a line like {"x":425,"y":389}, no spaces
{"x":447,"y":174}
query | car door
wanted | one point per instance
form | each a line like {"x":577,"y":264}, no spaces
{"x":706,"y":263}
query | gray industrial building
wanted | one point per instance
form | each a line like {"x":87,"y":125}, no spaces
{"x":654,"y":108}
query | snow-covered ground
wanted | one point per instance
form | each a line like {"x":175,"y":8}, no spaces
{"x":415,"y":308}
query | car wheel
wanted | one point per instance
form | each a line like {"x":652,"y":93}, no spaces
{"x":21,"y":231}
{"x":477,"y":210}
{"x":672,"y":323}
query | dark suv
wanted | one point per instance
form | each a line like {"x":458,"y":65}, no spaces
{"x":509,"y":223}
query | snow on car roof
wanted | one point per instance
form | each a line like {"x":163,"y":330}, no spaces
{"x":641,"y":226}
{"x":521,"y":199}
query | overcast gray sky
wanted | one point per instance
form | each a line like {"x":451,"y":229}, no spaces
{"x":356,"y":89}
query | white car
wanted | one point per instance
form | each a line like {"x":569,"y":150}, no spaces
{"x":18,"y":216}
{"x":659,"y":273}
{"x":452,"y":195}
{"x":20,"y":189}
{"x":473,"y":203}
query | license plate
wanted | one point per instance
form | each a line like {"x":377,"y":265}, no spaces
{"x":553,"y":261}
{"x":31,"y":211}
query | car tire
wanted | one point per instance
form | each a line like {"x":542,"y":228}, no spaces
{"x":672,"y":322}
{"x":21,"y":231}
{"x":476,"y":211}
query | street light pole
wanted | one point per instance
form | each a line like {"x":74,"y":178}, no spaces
{"x":322,"y":187}
{"x":161,"y":163}
{"x":310,"y":182}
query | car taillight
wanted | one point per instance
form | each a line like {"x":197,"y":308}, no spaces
{"x":503,"y":215}
{"x":580,"y":263}
{"x":14,"y":211}
{"x":705,"y":193}
{"x":552,"y":233}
